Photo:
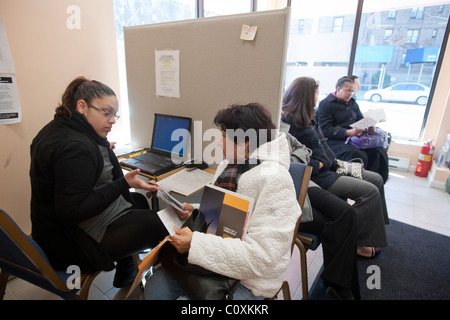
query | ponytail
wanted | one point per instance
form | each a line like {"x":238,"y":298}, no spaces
{"x":81,"y":89}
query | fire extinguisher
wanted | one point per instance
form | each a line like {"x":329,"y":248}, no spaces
{"x":425,"y":157}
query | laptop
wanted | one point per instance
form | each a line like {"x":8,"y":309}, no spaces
{"x":166,"y":153}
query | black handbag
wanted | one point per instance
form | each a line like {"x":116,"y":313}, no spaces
{"x":197,"y":282}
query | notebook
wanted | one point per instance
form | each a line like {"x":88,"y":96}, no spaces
{"x":166,"y":152}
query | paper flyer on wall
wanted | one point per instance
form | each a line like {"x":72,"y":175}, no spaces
{"x":167,"y":67}
{"x":10,"y":111}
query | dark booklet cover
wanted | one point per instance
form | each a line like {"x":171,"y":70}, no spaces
{"x":226,"y":212}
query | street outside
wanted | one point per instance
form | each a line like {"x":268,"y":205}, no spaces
{"x":404,"y":120}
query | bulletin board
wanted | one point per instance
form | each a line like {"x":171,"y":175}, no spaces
{"x":216,"y":68}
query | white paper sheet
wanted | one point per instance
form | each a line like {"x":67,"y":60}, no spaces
{"x":167,"y":67}
{"x":170,"y":219}
{"x":186,"y":182}
{"x":371,"y":118}
{"x":10,"y":110}
{"x":6,"y":63}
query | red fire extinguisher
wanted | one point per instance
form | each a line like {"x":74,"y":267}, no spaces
{"x":425,"y":157}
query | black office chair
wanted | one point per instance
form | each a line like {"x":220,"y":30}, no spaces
{"x":22,"y":257}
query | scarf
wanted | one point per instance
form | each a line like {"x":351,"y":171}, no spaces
{"x":229,"y":177}
{"x":79,"y":123}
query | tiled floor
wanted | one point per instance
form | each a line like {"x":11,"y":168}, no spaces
{"x":409,"y":200}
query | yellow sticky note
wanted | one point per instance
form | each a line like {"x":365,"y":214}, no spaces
{"x":248,"y":32}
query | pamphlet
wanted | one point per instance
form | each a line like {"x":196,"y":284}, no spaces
{"x":10,"y":109}
{"x":371,"y":118}
{"x":165,"y":196}
{"x":226,"y":212}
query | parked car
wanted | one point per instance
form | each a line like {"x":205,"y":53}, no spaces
{"x":407,"y":92}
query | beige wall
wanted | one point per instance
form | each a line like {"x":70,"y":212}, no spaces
{"x":47,"y":56}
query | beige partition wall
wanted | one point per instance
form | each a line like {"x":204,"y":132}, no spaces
{"x":216,"y":68}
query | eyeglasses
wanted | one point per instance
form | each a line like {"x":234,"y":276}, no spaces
{"x":348,"y":90}
{"x":105,"y":113}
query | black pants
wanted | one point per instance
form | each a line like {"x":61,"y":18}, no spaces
{"x":334,"y":222}
{"x":136,"y":231}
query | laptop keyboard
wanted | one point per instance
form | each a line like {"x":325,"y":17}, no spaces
{"x":156,"y":160}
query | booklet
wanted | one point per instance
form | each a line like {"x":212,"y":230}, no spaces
{"x":226,"y":212}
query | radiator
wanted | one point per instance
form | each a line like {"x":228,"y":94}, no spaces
{"x":396,"y":163}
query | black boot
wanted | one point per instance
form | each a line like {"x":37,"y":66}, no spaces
{"x":125,"y":272}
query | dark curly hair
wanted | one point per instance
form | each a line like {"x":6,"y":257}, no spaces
{"x":248,"y":116}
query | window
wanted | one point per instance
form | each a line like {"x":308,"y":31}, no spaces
{"x":434,"y":34}
{"x":417,"y":13}
{"x":301,"y":25}
{"x":392,"y":48}
{"x":392,"y":14}
{"x":387,"y":35}
{"x":322,"y":50}
{"x":412,"y":35}
{"x":399,"y":74}
{"x":338,"y":24}
{"x":220,"y":7}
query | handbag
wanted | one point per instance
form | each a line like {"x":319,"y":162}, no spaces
{"x":350,"y":168}
{"x":198,"y":283}
{"x":370,"y":140}
{"x":307,"y":214}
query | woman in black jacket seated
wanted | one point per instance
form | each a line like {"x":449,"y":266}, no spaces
{"x":368,"y":193}
{"x":82,"y":211}
{"x":335,"y":115}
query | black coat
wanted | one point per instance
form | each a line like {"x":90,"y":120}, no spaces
{"x":335,"y":117}
{"x":312,"y":137}
{"x":65,"y":165}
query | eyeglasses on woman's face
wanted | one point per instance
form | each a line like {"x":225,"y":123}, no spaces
{"x":107,"y":114}
{"x":350,"y":91}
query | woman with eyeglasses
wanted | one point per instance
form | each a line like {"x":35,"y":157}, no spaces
{"x":335,"y":115}
{"x":82,"y":211}
{"x":367,"y":193}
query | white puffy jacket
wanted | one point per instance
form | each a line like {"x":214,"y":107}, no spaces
{"x":260,"y":261}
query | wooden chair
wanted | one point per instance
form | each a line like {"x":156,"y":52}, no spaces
{"x":305,"y":241}
{"x":22,"y":257}
{"x":300,"y":174}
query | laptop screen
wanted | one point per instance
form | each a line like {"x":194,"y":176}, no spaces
{"x":170,"y":133}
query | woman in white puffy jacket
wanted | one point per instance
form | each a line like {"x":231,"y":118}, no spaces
{"x":260,"y":261}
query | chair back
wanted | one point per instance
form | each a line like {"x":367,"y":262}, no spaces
{"x":300,"y":173}
{"x":22,"y":257}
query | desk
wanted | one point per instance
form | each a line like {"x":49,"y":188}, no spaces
{"x":195,"y":197}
